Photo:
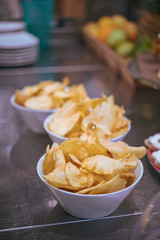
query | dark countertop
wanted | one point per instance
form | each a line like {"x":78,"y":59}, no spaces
{"x":27,"y":209}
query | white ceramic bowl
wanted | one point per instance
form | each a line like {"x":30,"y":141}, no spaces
{"x":90,"y":206}
{"x":55,"y":138}
{"x":122,"y":137}
{"x":60,"y":139}
{"x":33,"y":118}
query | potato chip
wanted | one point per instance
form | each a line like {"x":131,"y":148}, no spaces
{"x":75,"y":147}
{"x":131,"y":162}
{"x":93,"y":188}
{"x":57,"y":177}
{"x":91,"y":179}
{"x":78,"y":92}
{"x":20,"y":98}
{"x":75,"y":159}
{"x":49,"y":161}
{"x":31,"y":90}
{"x":61,"y":114}
{"x":59,"y":158}
{"x":118,"y":150}
{"x":66,"y":125}
{"x":86,"y":105}
{"x":129,"y":177}
{"x":102,"y":116}
{"x":139,"y":152}
{"x":118,"y":165}
{"x":92,"y":133}
{"x":115,"y":184}
{"x":39,"y":102}
{"x":75,"y":131}
{"x":96,"y":149}
{"x":98,"y":164}
{"x":51,"y":88}
{"x":63,"y":94}
{"x":75,"y":177}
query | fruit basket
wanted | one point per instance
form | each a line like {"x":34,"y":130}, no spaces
{"x":109,"y":56}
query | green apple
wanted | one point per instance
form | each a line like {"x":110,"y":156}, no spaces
{"x":125,"y":48}
{"x":115,"y":37}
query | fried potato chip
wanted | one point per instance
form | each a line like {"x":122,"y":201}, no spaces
{"x":59,"y":158}
{"x":51,"y":88}
{"x":96,"y":149}
{"x":75,"y":159}
{"x":39,"y":102}
{"x":131,"y":162}
{"x":57,"y":177}
{"x":78,"y":92}
{"x":63,"y":94}
{"x":66,"y":125}
{"x":102,"y":116}
{"x":118,"y":150}
{"x":61,"y":114}
{"x":20,"y":98}
{"x":115,"y":184}
{"x":31,"y":90}
{"x":49,"y":161}
{"x":93,"y":188}
{"x":129,"y":177}
{"x":139,"y":152}
{"x":75,"y":177}
{"x":98,"y":164}
{"x":92,"y":133}
{"x":76,"y":131}
{"x":75,"y":147}
{"x":86,"y":105}
{"x":118,"y":165}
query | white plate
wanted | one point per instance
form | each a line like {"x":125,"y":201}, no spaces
{"x":17,"y":40}
{"x":11,"y":26}
{"x":17,"y":56}
{"x":18,"y":63}
{"x":19,"y":60}
{"x":18,"y":50}
{"x":25,"y":51}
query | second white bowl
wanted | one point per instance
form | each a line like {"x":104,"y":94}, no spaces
{"x":60,"y":139}
{"x":33,"y":118}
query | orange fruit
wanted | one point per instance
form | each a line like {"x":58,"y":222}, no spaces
{"x":103,"y":21}
{"x":104,"y":32}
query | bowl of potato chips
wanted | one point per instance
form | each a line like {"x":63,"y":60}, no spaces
{"x":90,"y":179}
{"x":34,"y":103}
{"x":74,"y":119}
{"x":33,"y":118}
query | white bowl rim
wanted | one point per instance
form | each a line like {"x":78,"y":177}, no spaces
{"x":48,"y":118}
{"x":16,"y":105}
{"x":46,"y":121}
{"x":125,"y":133}
{"x":91,"y":195}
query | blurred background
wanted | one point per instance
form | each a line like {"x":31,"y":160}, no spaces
{"x":84,"y":10}
{"x":62,"y":22}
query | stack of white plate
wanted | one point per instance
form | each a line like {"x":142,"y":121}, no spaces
{"x":11,"y":26}
{"x":17,"y":48}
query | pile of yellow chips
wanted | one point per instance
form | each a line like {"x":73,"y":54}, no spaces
{"x":73,"y":118}
{"x":49,"y":94}
{"x":91,"y":167}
